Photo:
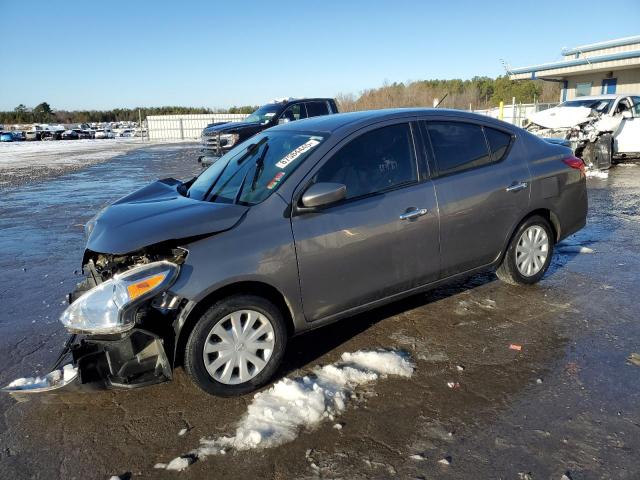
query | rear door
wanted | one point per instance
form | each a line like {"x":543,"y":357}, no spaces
{"x":382,"y":239}
{"x":482,"y":185}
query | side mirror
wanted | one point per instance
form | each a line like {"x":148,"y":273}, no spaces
{"x":321,"y":194}
{"x":627,"y":114}
{"x":283,"y":120}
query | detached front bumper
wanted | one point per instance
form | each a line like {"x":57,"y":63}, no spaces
{"x":136,"y":358}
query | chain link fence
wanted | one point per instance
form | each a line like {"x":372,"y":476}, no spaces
{"x":516,"y":113}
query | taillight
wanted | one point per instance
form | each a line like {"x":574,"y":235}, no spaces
{"x":575,"y":162}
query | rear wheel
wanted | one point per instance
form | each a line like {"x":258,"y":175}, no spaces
{"x":529,"y":253}
{"x":236,"y":346}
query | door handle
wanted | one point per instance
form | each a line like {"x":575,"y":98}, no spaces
{"x":516,"y":187}
{"x":415,"y":213}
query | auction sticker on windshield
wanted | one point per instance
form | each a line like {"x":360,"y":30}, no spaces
{"x":289,"y":158}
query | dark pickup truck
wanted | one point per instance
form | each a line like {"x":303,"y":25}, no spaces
{"x":219,"y":138}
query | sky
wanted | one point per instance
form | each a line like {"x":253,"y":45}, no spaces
{"x":79,"y":55}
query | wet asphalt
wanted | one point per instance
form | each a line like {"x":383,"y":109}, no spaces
{"x":567,"y":403}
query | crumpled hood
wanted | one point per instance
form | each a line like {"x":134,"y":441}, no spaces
{"x":561,"y":117}
{"x":157,"y":213}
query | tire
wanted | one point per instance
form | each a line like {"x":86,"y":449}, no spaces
{"x":599,"y":154}
{"x":235,"y":352}
{"x":509,"y":271}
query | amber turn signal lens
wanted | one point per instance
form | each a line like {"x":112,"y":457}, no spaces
{"x":143,"y":286}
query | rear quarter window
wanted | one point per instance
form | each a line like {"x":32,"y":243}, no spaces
{"x":498,"y":143}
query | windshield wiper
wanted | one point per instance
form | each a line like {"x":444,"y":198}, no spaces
{"x":256,"y":175}
{"x":250,"y":151}
{"x":259,"y":167}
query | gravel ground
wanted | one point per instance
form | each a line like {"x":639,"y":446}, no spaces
{"x":565,"y":403}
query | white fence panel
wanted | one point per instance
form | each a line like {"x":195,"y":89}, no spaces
{"x":184,"y":127}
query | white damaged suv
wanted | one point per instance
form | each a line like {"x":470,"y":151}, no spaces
{"x":598,"y":128}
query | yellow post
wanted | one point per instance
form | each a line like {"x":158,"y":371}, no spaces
{"x":501,"y":111}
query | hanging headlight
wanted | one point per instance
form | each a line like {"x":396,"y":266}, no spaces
{"x":111,"y":306}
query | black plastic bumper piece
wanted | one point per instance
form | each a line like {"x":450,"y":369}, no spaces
{"x":135,"y":359}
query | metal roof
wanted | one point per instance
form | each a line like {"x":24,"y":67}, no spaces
{"x":574,"y":62}
{"x":620,"y":42}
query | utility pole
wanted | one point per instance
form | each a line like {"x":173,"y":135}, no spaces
{"x":140,"y":125}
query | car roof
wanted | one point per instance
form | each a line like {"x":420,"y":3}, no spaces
{"x":331,"y":123}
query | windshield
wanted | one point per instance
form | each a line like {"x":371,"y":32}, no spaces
{"x":255,"y":169}
{"x":264,"y":114}
{"x":599,"y":105}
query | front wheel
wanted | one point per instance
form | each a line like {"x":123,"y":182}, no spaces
{"x":529,"y":253}
{"x":236,"y":346}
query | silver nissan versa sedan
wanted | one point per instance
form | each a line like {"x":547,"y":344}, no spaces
{"x":304,"y":224}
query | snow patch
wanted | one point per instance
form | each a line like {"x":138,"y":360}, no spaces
{"x":179,"y":464}
{"x":597,"y":174}
{"x":574,"y":249}
{"x":276,"y":415}
{"x":64,"y":375}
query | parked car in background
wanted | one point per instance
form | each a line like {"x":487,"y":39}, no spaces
{"x":33,"y":135}
{"x":83,"y":134}
{"x":305,"y":224}
{"x":6,"y":137}
{"x":219,"y":138}
{"x":51,"y":135}
{"x":70,"y":135}
{"x":104,"y":133}
{"x":18,"y":136}
{"x":127,"y":132}
{"x":599,"y":128}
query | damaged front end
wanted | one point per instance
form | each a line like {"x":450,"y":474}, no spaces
{"x":587,"y":132}
{"x":122,"y":317}
{"x":121,"y":320}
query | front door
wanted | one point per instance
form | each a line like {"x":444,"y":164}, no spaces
{"x":382,"y":239}
{"x":627,"y":138}
{"x":482,"y":187}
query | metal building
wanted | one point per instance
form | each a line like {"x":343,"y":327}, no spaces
{"x":598,"y":68}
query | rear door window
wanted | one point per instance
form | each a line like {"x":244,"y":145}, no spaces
{"x":316,"y":109}
{"x":375,"y":161}
{"x":458,"y":146}
{"x":498,"y":142}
